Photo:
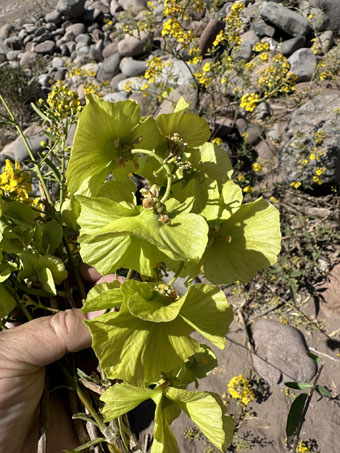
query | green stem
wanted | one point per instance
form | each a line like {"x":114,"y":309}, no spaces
{"x":164,"y":165}
{"x":129,"y":274}
{"x":75,"y":268}
{"x":172,"y":281}
{"x":30,"y":152}
{"x":87,"y":403}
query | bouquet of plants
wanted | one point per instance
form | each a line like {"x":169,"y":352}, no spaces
{"x":140,"y":197}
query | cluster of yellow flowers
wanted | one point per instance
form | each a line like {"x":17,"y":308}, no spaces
{"x":14,"y":182}
{"x":233,"y":24}
{"x":174,"y":29}
{"x":302,"y":447}
{"x":81,"y":73}
{"x":155,"y":66}
{"x":249,"y":101}
{"x":296,"y":184}
{"x":277,"y":78}
{"x":262,"y":48}
{"x":239,"y":388}
{"x":62,"y":101}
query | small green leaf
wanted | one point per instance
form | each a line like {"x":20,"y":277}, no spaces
{"x":48,"y":236}
{"x":103,"y":296}
{"x":298,"y":385}
{"x":84,"y":417}
{"x":88,"y":444}
{"x":295,"y":414}
{"x":181,"y":105}
{"x":323,"y":391}
{"x":7,"y":302}
{"x":317,"y":359}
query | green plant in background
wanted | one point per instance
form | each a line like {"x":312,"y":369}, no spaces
{"x":189,"y":219}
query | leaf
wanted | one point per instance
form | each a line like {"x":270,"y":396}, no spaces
{"x":323,"y":391}
{"x":164,"y":439}
{"x":84,"y":417}
{"x":106,"y":131}
{"x":45,"y":277}
{"x":138,"y":351}
{"x":7,"y":302}
{"x":113,"y":236}
{"x":317,"y":359}
{"x":295,"y":414}
{"x":144,"y":302}
{"x":231,"y":199}
{"x":206,"y":410}
{"x":206,"y":309}
{"x":247,"y":242}
{"x":48,"y":236}
{"x":122,"y":398}
{"x":88,"y":444}
{"x":70,"y":211}
{"x":192,"y":129}
{"x":298,"y":385}
{"x":181,"y":105}
{"x":6,"y":269}
{"x":103,"y":296}
{"x":213,"y":162}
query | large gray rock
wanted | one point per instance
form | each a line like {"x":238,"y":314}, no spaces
{"x":209,"y":34}
{"x":131,"y":67}
{"x":17,"y":149}
{"x":133,"y":5}
{"x":46,"y":47}
{"x":28,"y":58}
{"x":332,"y":10}
{"x":73,"y":8}
{"x":287,"y":20}
{"x":109,"y":68}
{"x":76,"y":29}
{"x":5,"y":31}
{"x":132,"y":47}
{"x":281,"y":353}
{"x":291,"y":45}
{"x":298,"y":141}
{"x":54,"y":17}
{"x":303,"y":64}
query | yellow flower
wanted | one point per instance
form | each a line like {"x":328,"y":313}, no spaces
{"x":249,"y":101}
{"x":303,"y":447}
{"x":296,"y":184}
{"x":257,"y":167}
{"x":13,"y":182}
{"x":273,"y":199}
{"x":241,"y":178}
{"x":217,"y":141}
{"x":248,"y":189}
{"x":239,"y":388}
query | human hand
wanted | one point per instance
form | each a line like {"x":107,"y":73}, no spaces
{"x":25,"y":350}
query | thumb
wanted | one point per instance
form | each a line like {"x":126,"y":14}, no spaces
{"x":44,"y":340}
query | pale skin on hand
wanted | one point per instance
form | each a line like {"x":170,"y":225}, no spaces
{"x":24,"y":352}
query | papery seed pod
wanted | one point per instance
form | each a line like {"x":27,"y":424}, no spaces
{"x":148,"y":203}
{"x":154,"y":190}
{"x":164,"y":218}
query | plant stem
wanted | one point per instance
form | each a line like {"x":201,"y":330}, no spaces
{"x":129,"y":274}
{"x":30,"y":152}
{"x":164,"y":165}
{"x":172,"y":281}
{"x":87,"y":403}
{"x":305,"y":409}
{"x":75,"y":268}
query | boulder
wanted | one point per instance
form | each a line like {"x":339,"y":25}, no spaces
{"x":303,"y":64}
{"x":132,"y":47}
{"x":72,"y":8}
{"x":281,"y":353}
{"x":332,"y":10}
{"x":209,"y":34}
{"x":299,"y":142}
{"x":46,"y":47}
{"x":109,"y":67}
{"x":284,"y":18}
{"x":131,"y":67}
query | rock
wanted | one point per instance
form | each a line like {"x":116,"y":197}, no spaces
{"x":14,"y":43}
{"x":303,"y":64}
{"x":325,"y":41}
{"x":42,"y":38}
{"x":5,"y":31}
{"x":73,"y":8}
{"x":115,"y":7}
{"x":12,"y":55}
{"x":262,"y":29}
{"x":318,"y":19}
{"x":109,"y":49}
{"x":47,"y":47}
{"x":329,"y":293}
{"x":331,"y":9}
{"x":223,"y":126}
{"x":95,"y":53}
{"x":76,"y":29}
{"x":116,"y":97}
{"x":281,"y":353}
{"x":84,"y":38}
{"x":298,"y":140}
{"x":175,"y":74}
{"x":100,"y":6}
{"x":132,"y":5}
{"x":287,"y":20}
{"x":57,"y":62}
{"x":266,"y":151}
{"x":136,"y":83}
{"x":115,"y":81}
{"x":132,"y":47}
{"x":28,"y":58}
{"x":53,"y":17}
{"x":109,"y":67}
{"x":131,"y":67}
{"x":17,"y":149}
{"x":251,"y":132}
{"x":248,"y":40}
{"x":209,"y":34}
{"x":291,"y":45}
